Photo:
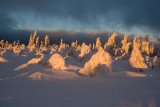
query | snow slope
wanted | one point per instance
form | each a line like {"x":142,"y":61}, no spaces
{"x":39,"y":85}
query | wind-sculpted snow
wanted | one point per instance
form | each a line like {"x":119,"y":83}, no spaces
{"x":3,"y":59}
{"x":36,"y":60}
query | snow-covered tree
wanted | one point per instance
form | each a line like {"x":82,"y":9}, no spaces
{"x":111,"y":40}
{"x":136,"y":60}
{"x":74,"y":44}
{"x":16,"y":50}
{"x":93,"y":46}
{"x":151,"y":48}
{"x":14,"y":43}
{"x":136,"y":42}
{"x":31,"y":42}
{"x":57,"y":62}
{"x":37,"y":41}
{"x":61,"y":45}
{"x":2,"y":43}
{"x":125,"y":45}
{"x":46,"y":41}
{"x":85,"y":49}
{"x":98,"y":43}
{"x":145,"y":47}
{"x":110,"y":46}
{"x":34,"y":36}
{"x":98,"y":60}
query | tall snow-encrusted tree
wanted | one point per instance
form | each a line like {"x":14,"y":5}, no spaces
{"x":34,"y":36}
{"x":98,"y":43}
{"x":37,"y":41}
{"x":61,"y":42}
{"x":41,"y":45}
{"x":99,"y":60}
{"x":137,"y":42}
{"x":136,"y":60}
{"x":85,"y":49}
{"x":30,"y":41}
{"x":31,"y":44}
{"x":111,"y":40}
{"x":124,"y":43}
{"x":151,"y":48}
{"x":46,"y":41}
{"x":145,"y":45}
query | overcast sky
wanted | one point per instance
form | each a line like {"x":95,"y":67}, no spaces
{"x":125,"y":16}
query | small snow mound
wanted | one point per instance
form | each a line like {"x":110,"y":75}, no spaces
{"x":36,"y":60}
{"x":57,"y":62}
{"x":135,"y":74}
{"x":20,"y":67}
{"x":52,"y":75}
{"x":127,"y":74}
{"x":3,"y":59}
{"x":36,"y":76}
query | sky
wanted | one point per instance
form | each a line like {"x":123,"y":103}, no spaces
{"x":123,"y":16}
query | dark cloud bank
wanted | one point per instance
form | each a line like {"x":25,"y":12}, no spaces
{"x":143,"y":15}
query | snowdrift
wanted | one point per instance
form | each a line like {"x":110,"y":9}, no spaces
{"x":3,"y":59}
{"x":36,"y":60}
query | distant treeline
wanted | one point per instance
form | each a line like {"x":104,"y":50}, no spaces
{"x":55,"y":36}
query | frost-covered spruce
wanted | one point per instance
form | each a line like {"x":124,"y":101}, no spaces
{"x":125,"y":43}
{"x":101,"y":58}
{"x":145,"y":47}
{"x":57,"y":62}
{"x":151,"y":48}
{"x":136,"y":60}
{"x":98,"y":43}
{"x":31,"y":45}
{"x":38,"y":51}
{"x":46,"y":41}
{"x":111,"y":40}
{"x":110,"y":46}
{"x":61,"y":45}
{"x":85,"y":49}
{"x":136,"y":42}
{"x":37,"y":41}
{"x":17,"y":50}
{"x":2,"y":51}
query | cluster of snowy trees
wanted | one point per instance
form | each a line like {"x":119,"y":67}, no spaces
{"x":138,"y":53}
{"x":16,"y":47}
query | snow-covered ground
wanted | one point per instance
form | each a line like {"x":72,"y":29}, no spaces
{"x":24,"y":84}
